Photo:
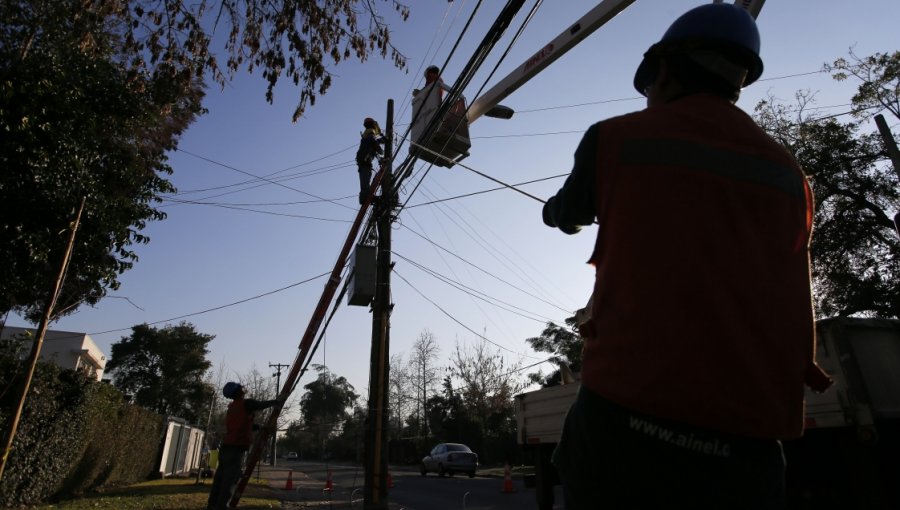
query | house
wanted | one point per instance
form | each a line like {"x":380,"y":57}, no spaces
{"x":74,"y":351}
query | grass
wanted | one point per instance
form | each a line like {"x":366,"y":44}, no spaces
{"x":166,"y":494}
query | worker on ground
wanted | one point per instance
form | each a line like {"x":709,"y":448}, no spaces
{"x":701,"y":334}
{"x":238,"y":437}
{"x":369,"y":147}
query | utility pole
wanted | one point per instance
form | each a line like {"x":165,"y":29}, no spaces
{"x":39,"y":341}
{"x":277,"y":374}
{"x":376,"y":459}
{"x":891,"y":146}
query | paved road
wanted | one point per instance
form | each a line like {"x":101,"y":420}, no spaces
{"x":412,"y":491}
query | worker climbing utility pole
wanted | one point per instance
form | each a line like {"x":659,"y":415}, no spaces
{"x":376,"y":458}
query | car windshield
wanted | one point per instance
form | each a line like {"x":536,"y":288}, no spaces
{"x":458,"y":448}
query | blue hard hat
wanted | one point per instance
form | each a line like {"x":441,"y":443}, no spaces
{"x":231,"y":389}
{"x":712,"y":26}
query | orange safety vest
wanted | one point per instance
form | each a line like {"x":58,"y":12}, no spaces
{"x":238,"y":424}
{"x":702,"y":308}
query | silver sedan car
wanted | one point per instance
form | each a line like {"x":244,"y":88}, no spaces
{"x":450,"y":458}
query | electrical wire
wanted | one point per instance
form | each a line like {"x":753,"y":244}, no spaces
{"x":271,"y":213}
{"x":438,"y":201}
{"x":489,"y":247}
{"x":266,"y":179}
{"x":476,"y":293}
{"x":204,"y":158}
{"x":255,"y":204}
{"x":269,"y":293}
{"x":488,"y":177}
{"x":454,"y":319}
{"x":487,"y":272}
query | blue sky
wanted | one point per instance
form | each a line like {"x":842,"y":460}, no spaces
{"x":206,"y":256}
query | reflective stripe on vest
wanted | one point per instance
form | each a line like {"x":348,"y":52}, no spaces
{"x":724,"y":163}
{"x":238,"y":424}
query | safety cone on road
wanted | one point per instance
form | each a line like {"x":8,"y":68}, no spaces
{"x":507,"y":480}
{"x":289,"y":485}
{"x":328,"y":485}
{"x":390,"y":481}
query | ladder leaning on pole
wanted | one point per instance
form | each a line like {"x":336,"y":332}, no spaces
{"x":306,"y":342}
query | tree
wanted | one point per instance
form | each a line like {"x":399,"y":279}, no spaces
{"x":489,"y":384}
{"x":400,"y":393}
{"x":879,"y":82}
{"x":326,"y":405}
{"x":854,"y":247}
{"x":94,"y":94}
{"x":422,"y":372}
{"x":449,"y":419}
{"x":76,"y":123}
{"x":163,"y":369}
{"x":564,"y":343}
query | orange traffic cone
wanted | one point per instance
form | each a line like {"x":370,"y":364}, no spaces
{"x":289,"y":485}
{"x":507,"y":480}
{"x":390,"y":481}
{"x":328,"y":485}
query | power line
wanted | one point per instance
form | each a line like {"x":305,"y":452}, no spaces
{"x":265,"y":179}
{"x":253,"y":204}
{"x":222,"y":306}
{"x":271,"y":213}
{"x":486,"y":271}
{"x":454,"y":319}
{"x":485,"y":191}
{"x":210,"y":160}
{"x":486,"y":176}
{"x":490,"y":248}
{"x":476,"y":293}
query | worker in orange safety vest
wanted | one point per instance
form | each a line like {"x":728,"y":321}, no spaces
{"x":239,"y":429}
{"x":701,"y":334}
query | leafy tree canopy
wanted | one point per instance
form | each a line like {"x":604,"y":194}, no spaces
{"x":879,"y":82}
{"x":78,"y":123}
{"x":94,"y":94}
{"x":564,"y":344}
{"x":489,"y":384}
{"x":855,"y":250}
{"x":163,"y":369}
{"x":326,"y":404}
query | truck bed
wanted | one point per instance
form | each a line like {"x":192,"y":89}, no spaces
{"x":540,"y":414}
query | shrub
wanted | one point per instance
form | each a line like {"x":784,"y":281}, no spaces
{"x":75,"y":434}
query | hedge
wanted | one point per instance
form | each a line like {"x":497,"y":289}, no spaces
{"x":75,"y":435}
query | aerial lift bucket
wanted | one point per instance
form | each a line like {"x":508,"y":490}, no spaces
{"x":450,"y":142}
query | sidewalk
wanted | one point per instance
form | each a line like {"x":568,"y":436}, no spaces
{"x":309,"y":493}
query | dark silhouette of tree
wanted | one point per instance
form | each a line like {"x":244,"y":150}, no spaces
{"x":854,"y":247}
{"x":564,"y":343}
{"x":163,"y":370}
{"x":93,"y":95}
{"x":327,"y":402}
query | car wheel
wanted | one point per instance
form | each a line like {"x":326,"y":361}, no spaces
{"x":441,"y":470}
{"x":471,"y":474}
{"x":424,"y":471}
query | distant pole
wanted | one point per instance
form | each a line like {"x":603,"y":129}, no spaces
{"x":277,"y":374}
{"x":39,"y":341}
{"x":891,"y":146}
{"x":376,"y":461}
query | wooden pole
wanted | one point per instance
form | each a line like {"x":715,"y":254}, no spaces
{"x":890,"y":146}
{"x":39,"y":341}
{"x":376,"y":459}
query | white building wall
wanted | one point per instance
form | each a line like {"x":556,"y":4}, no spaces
{"x":67,"y":349}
